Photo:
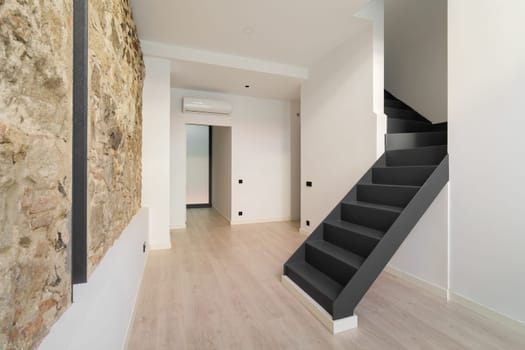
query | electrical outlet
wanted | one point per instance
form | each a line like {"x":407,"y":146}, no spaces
{"x":308,"y":183}
{"x":240,"y":213}
{"x":307,"y":222}
{"x":241,"y":181}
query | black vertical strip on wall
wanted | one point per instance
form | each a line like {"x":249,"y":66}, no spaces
{"x":210,"y":158}
{"x":80,"y":123}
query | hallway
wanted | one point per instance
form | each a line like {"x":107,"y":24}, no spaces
{"x":219,"y":288}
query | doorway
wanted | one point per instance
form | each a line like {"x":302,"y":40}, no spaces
{"x":199,"y":160}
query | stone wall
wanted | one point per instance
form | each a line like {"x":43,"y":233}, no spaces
{"x":35,"y":152}
{"x":116,"y":71}
{"x":35,"y":167}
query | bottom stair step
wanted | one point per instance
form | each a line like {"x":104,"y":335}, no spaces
{"x":316,"y":284}
{"x":338,"y":263}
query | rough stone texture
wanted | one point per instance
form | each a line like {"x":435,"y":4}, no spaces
{"x":116,"y":75}
{"x":35,"y":167}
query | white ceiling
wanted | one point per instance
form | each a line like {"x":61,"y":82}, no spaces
{"x":284,"y":35}
{"x":200,"y":76}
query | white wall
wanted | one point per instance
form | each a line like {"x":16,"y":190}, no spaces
{"x":222,"y":170}
{"x":260,"y":156}
{"x":424,"y":254}
{"x":416,"y":55}
{"x":156,"y":150}
{"x":338,"y":125}
{"x":295,"y":158}
{"x":102,"y":313}
{"x":197,"y":164}
{"x":374,"y":11}
{"x":487,"y":147}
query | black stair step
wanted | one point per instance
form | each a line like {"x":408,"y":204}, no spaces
{"x":415,"y":139}
{"x":431,"y":155}
{"x":403,"y":113}
{"x":316,"y":284}
{"x":395,"y":104}
{"x":376,"y":216}
{"x":389,"y":96}
{"x":352,"y":237}
{"x":394,"y":195}
{"x":332,"y":260}
{"x":401,"y":126}
{"x":402,"y":175}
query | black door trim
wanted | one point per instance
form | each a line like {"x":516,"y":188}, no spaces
{"x":210,"y":186}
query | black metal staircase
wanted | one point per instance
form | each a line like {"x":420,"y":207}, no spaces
{"x":345,"y":254}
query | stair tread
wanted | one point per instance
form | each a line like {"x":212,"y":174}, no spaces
{"x":389,"y":185}
{"x":375,"y":206}
{"x":317,"y":279}
{"x":363,"y":230}
{"x":411,"y":121}
{"x":419,"y":132}
{"x":339,"y":253}
{"x":404,"y":166}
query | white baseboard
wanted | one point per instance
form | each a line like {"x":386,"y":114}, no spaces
{"x":429,"y":287}
{"x":305,"y":231}
{"x":259,"y":221}
{"x":160,"y":246}
{"x":334,"y":326}
{"x":450,"y":296}
{"x":505,"y":320}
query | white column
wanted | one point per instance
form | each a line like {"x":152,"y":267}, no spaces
{"x":156,"y":150}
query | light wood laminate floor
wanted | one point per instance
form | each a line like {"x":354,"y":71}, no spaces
{"x":219,"y":288}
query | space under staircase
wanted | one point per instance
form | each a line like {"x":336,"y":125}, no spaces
{"x":344,"y":255}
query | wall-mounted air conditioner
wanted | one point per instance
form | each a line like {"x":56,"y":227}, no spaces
{"x":202,"y":105}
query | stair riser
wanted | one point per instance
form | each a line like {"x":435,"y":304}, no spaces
{"x":370,"y":217}
{"x":401,"y":176}
{"x":402,"y":126}
{"x":336,"y":269}
{"x":432,"y":156}
{"x":413,"y":140}
{"x":395,"y":196}
{"x":351,"y":241}
{"x":401,"y":113}
{"x":396,"y":104}
{"x":313,"y":292}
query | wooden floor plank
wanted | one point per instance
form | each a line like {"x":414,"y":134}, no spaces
{"x":219,"y":288}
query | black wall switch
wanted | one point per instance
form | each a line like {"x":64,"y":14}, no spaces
{"x":308,"y":183}
{"x":307,"y":222}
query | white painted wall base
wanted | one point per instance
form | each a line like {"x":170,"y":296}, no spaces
{"x":258,"y":221}
{"x":102,"y":313}
{"x":334,"y":326}
{"x":450,"y":296}
{"x":407,"y":277}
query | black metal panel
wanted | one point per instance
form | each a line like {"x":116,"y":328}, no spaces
{"x":394,"y":195}
{"x":386,"y":248}
{"x":366,"y":228}
{"x":413,"y":140}
{"x":80,"y":124}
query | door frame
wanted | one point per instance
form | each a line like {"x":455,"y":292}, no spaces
{"x":210,"y":162}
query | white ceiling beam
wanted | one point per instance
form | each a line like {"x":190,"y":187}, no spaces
{"x":174,"y":52}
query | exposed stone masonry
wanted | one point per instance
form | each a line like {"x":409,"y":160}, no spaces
{"x":35,"y":168}
{"x":116,"y":70}
{"x":35,"y":152}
